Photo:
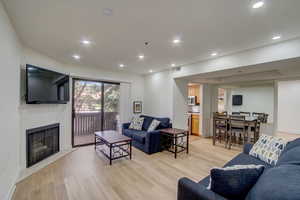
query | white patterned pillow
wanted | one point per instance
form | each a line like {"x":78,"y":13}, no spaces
{"x":136,"y":123}
{"x":154,"y":124}
{"x":268,"y":149}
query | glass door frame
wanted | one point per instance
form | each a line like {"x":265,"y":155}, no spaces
{"x":74,"y":79}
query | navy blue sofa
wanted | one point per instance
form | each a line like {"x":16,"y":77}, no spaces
{"x":148,"y":142}
{"x":280,"y":182}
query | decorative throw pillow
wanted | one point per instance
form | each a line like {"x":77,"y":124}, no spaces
{"x":277,"y":183}
{"x":234,"y":182}
{"x":154,"y":124}
{"x":268,"y":149}
{"x":136,"y":123}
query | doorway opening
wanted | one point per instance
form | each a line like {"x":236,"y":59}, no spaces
{"x":221,"y":100}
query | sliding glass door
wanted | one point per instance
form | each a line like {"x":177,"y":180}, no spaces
{"x":111,"y":109}
{"x":95,"y":108}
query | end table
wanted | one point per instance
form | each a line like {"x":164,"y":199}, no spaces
{"x":175,"y":140}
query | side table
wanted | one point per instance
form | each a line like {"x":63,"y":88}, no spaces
{"x":175,"y":140}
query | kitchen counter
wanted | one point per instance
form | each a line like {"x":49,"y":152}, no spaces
{"x":193,"y":113}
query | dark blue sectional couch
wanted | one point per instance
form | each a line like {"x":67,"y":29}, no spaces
{"x":279,"y":182}
{"x":148,"y":142}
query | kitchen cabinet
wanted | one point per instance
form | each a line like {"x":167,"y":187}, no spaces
{"x":194,"y":90}
{"x":195,"y":120}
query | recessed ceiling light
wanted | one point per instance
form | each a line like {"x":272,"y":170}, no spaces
{"x":277,"y":37}
{"x":108,"y":11}
{"x":76,"y":57}
{"x":173,"y":65}
{"x":122,"y":65}
{"x":214,"y":54}
{"x":141,"y":56}
{"x":150,"y":70}
{"x":258,"y":4}
{"x":176,"y":41}
{"x":85,"y":42}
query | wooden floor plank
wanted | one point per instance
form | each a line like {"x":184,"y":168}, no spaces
{"x":86,"y":174}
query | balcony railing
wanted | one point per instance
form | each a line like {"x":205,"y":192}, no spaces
{"x":88,"y":123}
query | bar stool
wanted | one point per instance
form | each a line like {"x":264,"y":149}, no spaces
{"x":220,"y":126}
{"x":237,"y":125}
{"x":255,"y":129}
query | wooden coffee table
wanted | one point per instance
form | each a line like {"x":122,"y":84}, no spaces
{"x":113,"y":145}
{"x":175,"y":140}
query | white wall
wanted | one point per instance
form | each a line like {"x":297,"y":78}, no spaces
{"x":40,"y":115}
{"x":89,"y":72}
{"x":16,"y":116}
{"x":255,"y":99}
{"x":9,"y":117}
{"x":289,"y":106}
{"x":275,"y":110}
{"x":209,"y":105}
{"x":166,"y":97}
{"x":158,"y":94}
{"x":180,"y":107}
{"x":125,"y":100}
{"x":206,"y":109}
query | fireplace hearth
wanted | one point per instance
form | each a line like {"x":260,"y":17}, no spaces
{"x":41,"y":143}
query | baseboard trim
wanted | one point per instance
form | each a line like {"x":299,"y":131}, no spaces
{"x":11,"y":192}
{"x":29,"y":171}
{"x":12,"y":189}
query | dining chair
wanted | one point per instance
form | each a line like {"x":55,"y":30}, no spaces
{"x":237,"y":117}
{"x":220,"y":129}
{"x":245,"y":113}
{"x":220,"y":113}
{"x":265,"y":120}
{"x":237,"y":127}
{"x":256,"y":114}
{"x":224,"y":113}
{"x":235,"y":113}
{"x":255,"y":129}
{"x":260,"y":116}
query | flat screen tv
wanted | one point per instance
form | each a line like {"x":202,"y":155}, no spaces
{"x":46,"y":87}
{"x":237,"y":100}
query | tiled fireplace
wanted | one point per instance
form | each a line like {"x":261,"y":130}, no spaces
{"x":41,"y":143}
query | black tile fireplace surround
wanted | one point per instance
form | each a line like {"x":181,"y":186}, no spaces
{"x":41,"y":143}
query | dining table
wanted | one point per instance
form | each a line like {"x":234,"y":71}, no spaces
{"x":249,"y":122}
{"x":247,"y":118}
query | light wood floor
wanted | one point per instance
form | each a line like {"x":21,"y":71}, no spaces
{"x":85,"y":174}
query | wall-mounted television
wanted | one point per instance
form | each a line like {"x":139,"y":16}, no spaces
{"x":45,"y":86}
{"x":237,"y":100}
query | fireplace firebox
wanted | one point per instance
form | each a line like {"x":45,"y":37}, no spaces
{"x":41,"y":143}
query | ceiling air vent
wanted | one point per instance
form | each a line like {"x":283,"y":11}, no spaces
{"x":177,"y":69}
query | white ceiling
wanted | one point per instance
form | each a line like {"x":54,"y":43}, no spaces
{"x":55,"y":27}
{"x":252,"y":74}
